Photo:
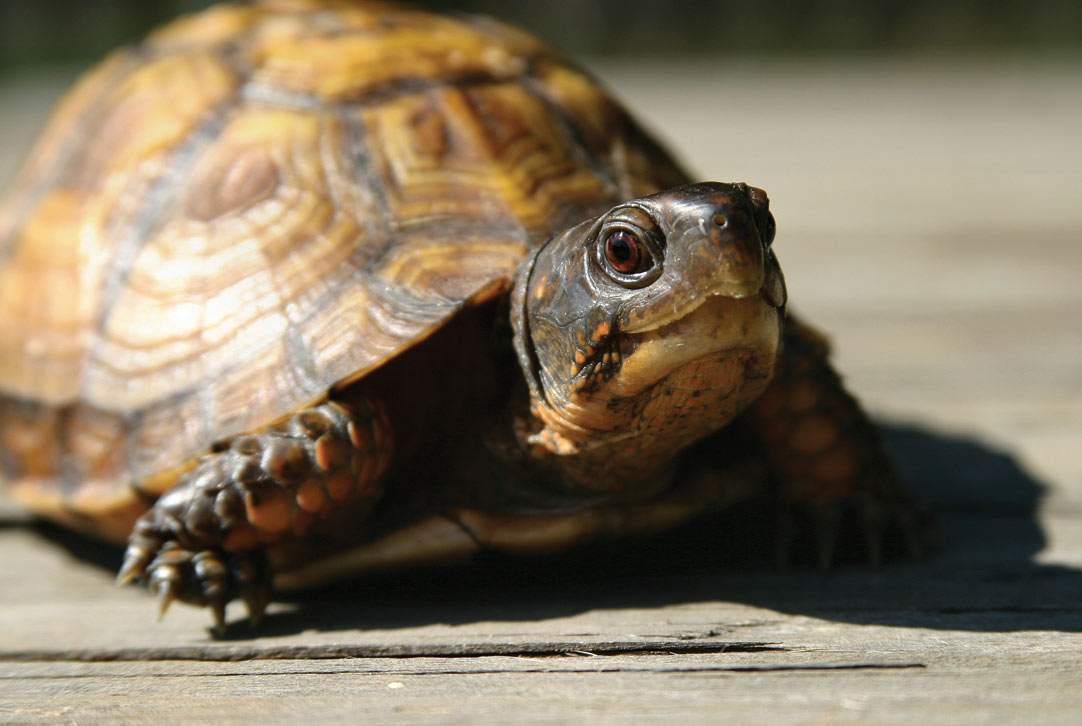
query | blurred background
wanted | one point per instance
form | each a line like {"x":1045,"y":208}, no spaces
{"x":73,"y":30}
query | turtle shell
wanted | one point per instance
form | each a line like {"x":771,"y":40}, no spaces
{"x":262,"y":202}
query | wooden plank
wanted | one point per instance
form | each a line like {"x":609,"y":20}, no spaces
{"x":928,"y":218}
{"x":663,"y":689}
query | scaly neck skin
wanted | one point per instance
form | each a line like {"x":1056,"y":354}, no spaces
{"x":622,"y":438}
{"x":606,"y":460}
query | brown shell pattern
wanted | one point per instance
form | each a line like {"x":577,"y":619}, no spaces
{"x":261,"y":202}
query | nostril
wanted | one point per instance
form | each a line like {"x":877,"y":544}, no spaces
{"x":720,"y":220}
{"x":758,"y":198}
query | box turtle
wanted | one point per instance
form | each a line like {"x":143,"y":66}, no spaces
{"x":300,"y":288}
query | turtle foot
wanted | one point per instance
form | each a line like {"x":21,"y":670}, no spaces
{"x":816,"y":531}
{"x":208,"y":578}
{"x":203,"y":541}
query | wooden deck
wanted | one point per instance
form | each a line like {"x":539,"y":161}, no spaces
{"x":930,"y":218}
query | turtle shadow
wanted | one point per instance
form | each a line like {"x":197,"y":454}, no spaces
{"x":982,"y":578}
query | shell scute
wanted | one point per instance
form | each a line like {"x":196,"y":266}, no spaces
{"x":621,"y":149}
{"x":364,"y":50}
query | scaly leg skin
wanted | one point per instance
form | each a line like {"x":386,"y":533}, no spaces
{"x":827,"y":455}
{"x":203,"y":541}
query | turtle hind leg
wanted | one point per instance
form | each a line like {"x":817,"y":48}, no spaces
{"x":204,"y":540}
{"x":829,"y":460}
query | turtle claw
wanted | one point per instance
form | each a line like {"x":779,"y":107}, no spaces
{"x":209,"y":578}
{"x":787,"y":529}
{"x":256,"y":608}
{"x":256,"y":599}
{"x":921,"y":531}
{"x":823,"y":525}
{"x":213,"y":578}
{"x":217,"y":609}
{"x":873,"y":524}
{"x":165,"y":584}
{"x":136,"y":559}
{"x":826,"y":519}
{"x":254,"y":584}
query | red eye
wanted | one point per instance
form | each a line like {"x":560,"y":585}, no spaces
{"x":625,"y":253}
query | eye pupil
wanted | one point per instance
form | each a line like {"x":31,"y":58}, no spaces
{"x":621,"y":250}
{"x":624,"y":252}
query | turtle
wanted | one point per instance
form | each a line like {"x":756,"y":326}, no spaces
{"x":295,"y":289}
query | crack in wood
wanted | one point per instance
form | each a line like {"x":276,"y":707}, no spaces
{"x":303,"y":652}
{"x":481,"y":671}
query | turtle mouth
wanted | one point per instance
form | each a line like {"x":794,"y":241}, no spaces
{"x":771,"y":292}
{"x":760,"y":279}
{"x":713,"y":327}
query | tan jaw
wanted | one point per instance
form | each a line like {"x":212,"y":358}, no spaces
{"x":652,"y":319}
{"x":764,"y":281}
{"x":713,"y":327}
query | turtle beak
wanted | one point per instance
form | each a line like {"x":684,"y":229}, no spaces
{"x":773,"y":289}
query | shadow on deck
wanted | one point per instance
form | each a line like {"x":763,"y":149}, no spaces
{"x":983,"y":578}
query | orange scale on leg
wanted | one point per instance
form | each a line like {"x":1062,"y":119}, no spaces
{"x":331,"y":452}
{"x":340,"y":487}
{"x":241,"y":539}
{"x":270,"y":515}
{"x":838,"y":465}
{"x":359,"y":436}
{"x":814,"y":433}
{"x":310,"y":496}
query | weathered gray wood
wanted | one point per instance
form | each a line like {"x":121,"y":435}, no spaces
{"x":929,"y":219}
{"x":571,"y":688}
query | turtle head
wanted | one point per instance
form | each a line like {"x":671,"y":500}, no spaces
{"x":647,"y":328}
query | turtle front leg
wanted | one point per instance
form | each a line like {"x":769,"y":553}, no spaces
{"x":827,"y":456}
{"x":204,"y":540}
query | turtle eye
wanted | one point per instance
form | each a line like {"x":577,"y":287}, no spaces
{"x":626,"y":254}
